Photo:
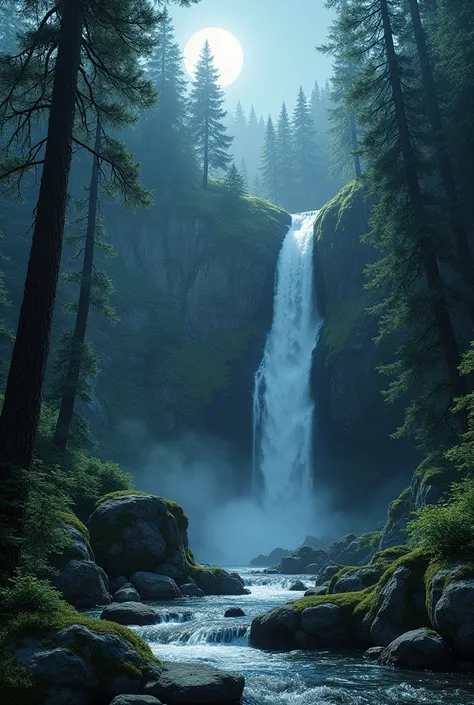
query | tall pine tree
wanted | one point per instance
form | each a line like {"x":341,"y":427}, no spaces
{"x":305,"y":159}
{"x":285,"y":159}
{"x":207,"y":116}
{"x":269,"y":167}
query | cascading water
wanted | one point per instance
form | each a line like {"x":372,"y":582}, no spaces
{"x":283,"y":410}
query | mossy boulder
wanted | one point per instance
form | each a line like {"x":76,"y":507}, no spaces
{"x":298,"y":561}
{"x":132,"y":531}
{"x":399,"y":513}
{"x":83,"y":584}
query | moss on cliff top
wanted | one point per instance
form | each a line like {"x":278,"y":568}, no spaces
{"x":340,"y":206}
{"x":174,"y":508}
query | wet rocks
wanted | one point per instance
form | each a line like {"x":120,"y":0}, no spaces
{"x":196,"y":684}
{"x":234,"y":612}
{"x":373,"y":653}
{"x":324,"y":622}
{"x":298,"y":586}
{"x":298,"y":561}
{"x":419,"y":649}
{"x":356,"y":580}
{"x":135,"y":700}
{"x":131,"y":613}
{"x":454,"y":616}
{"x":127,"y":593}
{"x":191,"y":590}
{"x":272,"y":559}
{"x":275,"y":629}
{"x":155,"y":587}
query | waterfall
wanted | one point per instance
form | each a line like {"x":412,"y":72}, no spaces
{"x":283,"y":410}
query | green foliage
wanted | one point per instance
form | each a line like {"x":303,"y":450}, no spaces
{"x":446,"y":530}
{"x":234,"y":182}
{"x":462,"y":455}
{"x":270,"y":167}
{"x":388,"y":555}
{"x":93,"y":479}
{"x":342,"y":319}
{"x":306,"y":166}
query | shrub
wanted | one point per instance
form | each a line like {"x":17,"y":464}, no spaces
{"x":447,"y":529}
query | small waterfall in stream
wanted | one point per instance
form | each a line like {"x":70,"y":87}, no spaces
{"x":283,"y":410}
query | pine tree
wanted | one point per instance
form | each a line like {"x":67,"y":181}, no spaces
{"x":304,"y":150}
{"x":406,"y":219}
{"x":93,"y":68}
{"x":238,"y":131}
{"x":234,"y":182}
{"x":165,"y":144}
{"x":244,"y":174}
{"x":257,"y":188}
{"x":207,"y":115}
{"x":285,"y":159}
{"x":269,"y":167}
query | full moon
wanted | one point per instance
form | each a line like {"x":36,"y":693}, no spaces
{"x":226,"y":49}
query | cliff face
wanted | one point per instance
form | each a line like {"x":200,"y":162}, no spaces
{"x":354,"y":422}
{"x":194,"y":290}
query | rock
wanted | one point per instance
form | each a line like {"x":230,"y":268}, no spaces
{"x":274,"y":630}
{"x":83,"y":584}
{"x":131,"y":533}
{"x":118,"y":583}
{"x":297,"y":561}
{"x":155,"y":587}
{"x":131,"y":613}
{"x":84,"y":666}
{"x":80,"y":550}
{"x":399,"y":512}
{"x":274,"y":557}
{"x":197,"y":684}
{"x":325,"y":575}
{"x":340,"y":545}
{"x":373,"y":653}
{"x":126,"y":594}
{"x":397,"y":609}
{"x":356,"y":553}
{"x":191,"y":590}
{"x":272,"y":571}
{"x":312,"y":541}
{"x":320,"y":590}
{"x":135,"y":700}
{"x":234,"y":612}
{"x":356,"y":580}
{"x":231,"y":584}
{"x":298,"y":586}
{"x":454,"y":617}
{"x":325,"y":623}
{"x":436,"y":588}
{"x":419,"y":648}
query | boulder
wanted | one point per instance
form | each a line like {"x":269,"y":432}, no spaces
{"x":356,"y":553}
{"x":356,"y":580}
{"x":324,"y":622}
{"x":274,"y":630}
{"x":454,"y":617}
{"x":328,"y":572}
{"x":219,"y":582}
{"x":340,"y":545}
{"x":320,"y":590}
{"x":374,"y":653}
{"x":83,"y":584}
{"x":196,"y":684}
{"x":394,"y":532}
{"x":297,"y":561}
{"x":135,"y":700}
{"x":274,"y":557}
{"x":419,"y":648}
{"x":70,"y":663}
{"x":313,"y":541}
{"x":131,"y":613}
{"x":132,"y":532}
{"x":155,"y":587}
{"x":191,"y":590}
{"x":398,"y":609}
{"x":234,"y":612}
{"x":126,"y":594}
{"x":80,"y":549}
{"x":298,"y":586}
{"x":231,"y":584}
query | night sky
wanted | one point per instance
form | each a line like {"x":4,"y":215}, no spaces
{"x":278,"y":39}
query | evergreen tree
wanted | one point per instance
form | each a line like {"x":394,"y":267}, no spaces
{"x":238,"y":131}
{"x":305,"y":161}
{"x":234,"y":182}
{"x":244,"y":174}
{"x":285,"y":158}
{"x":269,"y":168}
{"x":207,"y":115}
{"x":406,"y":218}
{"x":81,"y":58}
{"x":165,"y":146}
{"x":257,"y":189}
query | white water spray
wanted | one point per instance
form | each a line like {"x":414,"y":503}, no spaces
{"x":283,"y":410}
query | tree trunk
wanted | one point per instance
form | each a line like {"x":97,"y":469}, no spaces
{"x":430,"y":263}
{"x":205,"y":177}
{"x":66,"y":409}
{"x":355,"y":144}
{"x":21,"y":409}
{"x":465,"y":263}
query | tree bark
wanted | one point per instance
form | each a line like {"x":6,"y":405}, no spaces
{"x":430,"y":263}
{"x":68,"y":400}
{"x":21,"y":409}
{"x":205,"y":177}
{"x":355,"y":144}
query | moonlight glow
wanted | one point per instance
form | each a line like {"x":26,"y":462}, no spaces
{"x":226,"y":49}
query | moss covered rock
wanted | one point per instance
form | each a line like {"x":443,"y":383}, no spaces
{"x":132,"y":531}
{"x":83,"y":584}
